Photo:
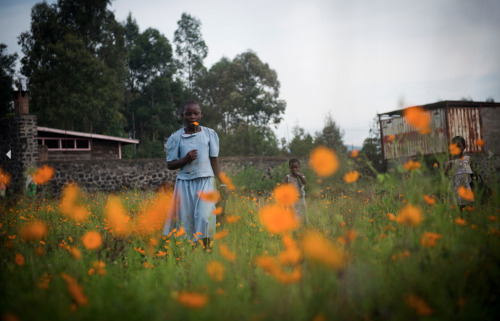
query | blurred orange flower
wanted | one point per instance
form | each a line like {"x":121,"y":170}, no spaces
{"x":277,"y":219}
{"x":153,"y":218}
{"x":411,"y":165}
{"x":429,"y":239}
{"x":210,"y":197}
{"x":454,"y":149}
{"x":19,"y":259}
{"x":4,"y":177}
{"x":217,"y":211}
{"x":418,"y":118}
{"x":192,"y":300}
{"x":215,"y":271}
{"x":391,"y":137}
{"x":292,"y":254}
{"x":418,"y":305}
{"x":195,"y":123}
{"x":429,"y":200}
{"x":272,"y":266}
{"x":323,"y":161}
{"x":409,"y":215}
{"x":286,"y":194}
{"x":70,"y":205}
{"x":92,"y":240}
{"x":33,"y":231}
{"x":98,"y":267}
{"x":354,"y":153}
{"x":220,"y":235}
{"x":349,"y":236}
{"x":117,"y":216}
{"x":460,"y":221}
{"x":232,"y":219}
{"x":466,"y":193}
{"x":351,"y":177}
{"x":480,"y":142}
{"x":75,"y":290}
{"x":317,"y":248}
{"x":226,"y":180}
{"x":227,"y":253}
{"x":43,"y":175}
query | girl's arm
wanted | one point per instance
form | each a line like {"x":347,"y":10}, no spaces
{"x":190,"y":156}
{"x":214,"y":161}
{"x":302,"y":178}
{"x":286,"y":179}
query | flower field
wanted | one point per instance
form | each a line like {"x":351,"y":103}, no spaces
{"x":392,"y":248}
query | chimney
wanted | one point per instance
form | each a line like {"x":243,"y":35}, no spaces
{"x":21,"y":100}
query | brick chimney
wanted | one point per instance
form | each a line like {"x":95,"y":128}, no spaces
{"x":21,"y":100}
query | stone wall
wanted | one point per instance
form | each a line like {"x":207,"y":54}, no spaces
{"x":490,"y":120}
{"x":18,"y":134}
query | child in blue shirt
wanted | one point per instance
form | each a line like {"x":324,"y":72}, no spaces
{"x":195,"y":150}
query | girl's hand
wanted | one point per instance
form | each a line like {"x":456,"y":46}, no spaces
{"x":191,"y":155}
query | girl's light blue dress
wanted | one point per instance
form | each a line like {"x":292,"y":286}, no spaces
{"x":187,"y":209}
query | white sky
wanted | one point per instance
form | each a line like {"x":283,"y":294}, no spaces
{"x":350,"y":58}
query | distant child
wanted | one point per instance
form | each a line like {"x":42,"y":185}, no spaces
{"x":194,"y":150}
{"x":460,"y":170}
{"x":298,"y":180}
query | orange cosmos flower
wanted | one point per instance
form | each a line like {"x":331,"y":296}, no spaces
{"x":180,"y":232}
{"x":226,"y":180}
{"x":391,"y":137}
{"x":454,"y":149}
{"x":75,"y":290}
{"x":153,"y":218}
{"x":323,"y":161}
{"x":317,"y":248}
{"x":277,"y":219}
{"x":69,"y":204}
{"x":227,"y":253}
{"x":98,"y":267}
{"x":271,"y":265}
{"x":292,"y":254}
{"x":192,"y":300}
{"x":286,"y":194}
{"x":220,"y":235}
{"x":43,"y":175}
{"x":19,"y":259}
{"x":354,"y":153}
{"x":232,"y":219}
{"x":195,"y":123}
{"x":215,"y":271}
{"x":480,"y":142}
{"x":92,"y":240}
{"x":34,"y":231}
{"x":411,"y":165}
{"x":429,"y":239}
{"x":418,"y":305}
{"x":349,"y":236}
{"x":117,"y":216}
{"x":351,"y":177}
{"x":409,"y":215}
{"x":4,"y":177}
{"x":460,"y":221}
{"x":429,"y":200}
{"x":75,"y":252}
{"x":466,"y":193}
{"x":217,"y":211}
{"x":418,"y":118}
{"x":210,"y":197}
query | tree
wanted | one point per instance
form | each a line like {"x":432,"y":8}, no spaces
{"x":331,"y":136}
{"x":301,"y":143}
{"x":7,"y":63}
{"x":249,"y":140}
{"x":372,"y":146}
{"x":190,"y":47}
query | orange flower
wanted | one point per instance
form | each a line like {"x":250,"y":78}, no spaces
{"x":321,"y":250}
{"x":286,"y":194}
{"x":411,"y":165}
{"x":460,"y":221}
{"x":466,"y":193}
{"x":418,"y":118}
{"x":180,"y":232}
{"x":292,"y":254}
{"x":348,"y":237}
{"x":454,"y":149}
{"x":480,"y":142}
{"x":99,"y":267}
{"x":34,"y":231}
{"x":391,"y":137}
{"x":277,"y":219}
{"x":227,"y":253}
{"x":75,"y":290}
{"x":418,"y":305}
{"x":354,"y":153}
{"x":271,"y":265}
{"x":153,"y":218}
{"x":195,"y":123}
{"x":409,"y":215}
{"x":43,"y":175}
{"x":69,"y":204}
{"x":429,"y":239}
{"x":226,"y":180}
{"x":192,"y":300}
{"x":217,"y":211}
{"x":351,"y":177}
{"x":215,"y":271}
{"x":429,"y":200}
{"x":19,"y":259}
{"x":391,"y":217}
{"x":75,"y":252}
{"x":232,"y":219}
{"x":220,"y":235}
{"x":323,"y":161}
{"x":4,"y":177}
{"x":210,"y":197}
{"x":117,"y":216}
{"x":92,"y":240}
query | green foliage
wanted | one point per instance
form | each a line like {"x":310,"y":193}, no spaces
{"x":372,"y":149}
{"x":7,"y":63}
{"x":301,"y":143}
{"x":331,"y":136}
{"x":249,"y":141}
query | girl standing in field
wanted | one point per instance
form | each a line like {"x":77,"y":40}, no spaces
{"x":460,"y":170}
{"x":194,"y":149}
{"x":298,"y":180}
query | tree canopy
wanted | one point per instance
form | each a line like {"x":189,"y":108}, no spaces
{"x":7,"y":63}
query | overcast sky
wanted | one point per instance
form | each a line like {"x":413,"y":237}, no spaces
{"x":352,"y":59}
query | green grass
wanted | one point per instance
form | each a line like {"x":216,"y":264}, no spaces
{"x":458,"y":278}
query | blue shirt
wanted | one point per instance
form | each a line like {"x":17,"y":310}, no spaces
{"x":206,"y":142}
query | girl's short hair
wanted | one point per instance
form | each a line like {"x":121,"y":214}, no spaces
{"x":293,"y":161}
{"x":189,"y":102}
{"x":458,"y":139}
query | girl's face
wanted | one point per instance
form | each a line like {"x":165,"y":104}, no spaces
{"x":191,"y":114}
{"x":294,"y":168}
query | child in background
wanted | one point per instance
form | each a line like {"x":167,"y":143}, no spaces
{"x":460,"y":170}
{"x":194,"y":150}
{"x":298,"y":180}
